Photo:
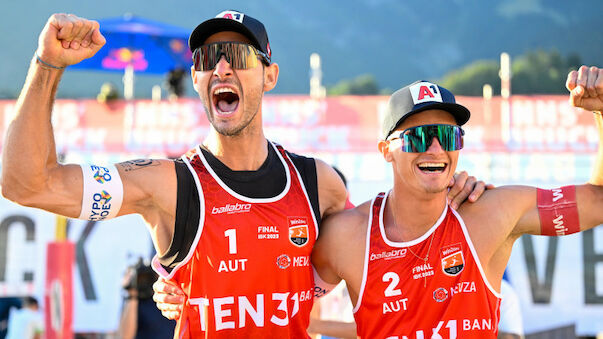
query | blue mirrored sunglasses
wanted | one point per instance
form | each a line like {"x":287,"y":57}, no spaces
{"x":418,"y":139}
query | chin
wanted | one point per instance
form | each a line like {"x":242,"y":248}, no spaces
{"x":435,"y":187}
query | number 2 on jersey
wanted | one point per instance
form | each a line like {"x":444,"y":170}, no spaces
{"x":394,"y":279}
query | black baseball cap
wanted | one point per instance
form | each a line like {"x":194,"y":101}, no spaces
{"x":417,"y":97}
{"x":235,"y":21}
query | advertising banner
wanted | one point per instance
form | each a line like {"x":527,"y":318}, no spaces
{"x":532,"y":140}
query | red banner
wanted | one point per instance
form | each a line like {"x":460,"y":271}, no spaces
{"x":58,"y":298}
{"x":302,"y":124}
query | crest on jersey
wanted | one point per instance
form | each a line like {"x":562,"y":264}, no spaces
{"x":298,"y":231}
{"x":453,"y":260}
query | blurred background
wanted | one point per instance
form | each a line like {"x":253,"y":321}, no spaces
{"x":506,"y":60}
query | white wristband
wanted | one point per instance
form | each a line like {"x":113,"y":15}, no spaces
{"x":102,"y":194}
{"x":321,"y":287}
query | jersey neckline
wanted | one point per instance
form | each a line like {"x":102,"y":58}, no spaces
{"x":409,"y":242}
{"x":243,"y":197}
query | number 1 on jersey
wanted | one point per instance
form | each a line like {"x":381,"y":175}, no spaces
{"x":231,"y":234}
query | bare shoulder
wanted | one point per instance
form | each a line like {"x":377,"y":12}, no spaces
{"x":492,"y":221}
{"x":347,"y":222}
{"x":331,"y":190}
{"x":503,"y":199}
{"x":342,"y":234}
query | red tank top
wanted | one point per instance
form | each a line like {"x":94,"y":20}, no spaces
{"x":403,"y":296}
{"x":248,"y":273}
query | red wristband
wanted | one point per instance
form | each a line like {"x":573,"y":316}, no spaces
{"x":558,"y":211}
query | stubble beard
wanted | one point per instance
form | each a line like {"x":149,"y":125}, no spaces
{"x":247,"y":115}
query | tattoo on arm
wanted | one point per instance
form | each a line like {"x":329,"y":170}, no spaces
{"x":132,"y":165}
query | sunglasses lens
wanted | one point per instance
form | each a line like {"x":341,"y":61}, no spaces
{"x":418,"y":139}
{"x":238,"y":55}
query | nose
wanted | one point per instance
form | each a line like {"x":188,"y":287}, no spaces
{"x":223,"y":68}
{"x":435,"y":146}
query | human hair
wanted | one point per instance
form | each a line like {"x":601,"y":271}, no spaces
{"x":30,"y":302}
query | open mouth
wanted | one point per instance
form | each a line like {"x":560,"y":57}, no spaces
{"x":226,"y":101}
{"x":432,"y":167}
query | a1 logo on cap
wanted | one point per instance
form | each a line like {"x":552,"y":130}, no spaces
{"x":425,"y":92}
{"x":234,"y":15}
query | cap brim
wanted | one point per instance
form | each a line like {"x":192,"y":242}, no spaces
{"x":205,"y":29}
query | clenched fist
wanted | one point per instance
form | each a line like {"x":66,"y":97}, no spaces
{"x":67,"y":39}
{"x":586,"y":87}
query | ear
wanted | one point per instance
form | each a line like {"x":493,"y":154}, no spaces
{"x":194,"y":77}
{"x":383,"y":146}
{"x":270,"y":76}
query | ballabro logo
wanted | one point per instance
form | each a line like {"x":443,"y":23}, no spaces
{"x":231,"y":208}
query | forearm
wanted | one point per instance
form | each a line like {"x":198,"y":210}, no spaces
{"x":129,"y":319}
{"x":597,"y":174}
{"x":29,"y":147}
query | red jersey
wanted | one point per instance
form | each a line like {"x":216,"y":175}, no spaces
{"x":404,"y":296}
{"x":248,"y":272}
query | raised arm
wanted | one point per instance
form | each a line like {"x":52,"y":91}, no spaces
{"x":503,"y":214}
{"x":586,"y":91}
{"x":31,"y":174}
{"x":29,"y":162}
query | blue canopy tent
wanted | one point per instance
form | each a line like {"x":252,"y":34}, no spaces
{"x":135,"y":44}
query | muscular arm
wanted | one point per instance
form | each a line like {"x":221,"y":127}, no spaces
{"x":331,"y":190}
{"x":339,"y":251}
{"x":31,"y":174}
{"x":30,"y":167}
{"x":502,"y":215}
{"x":586,"y":91}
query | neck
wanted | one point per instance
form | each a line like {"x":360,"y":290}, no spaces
{"x":408,"y":216}
{"x":245,"y":152}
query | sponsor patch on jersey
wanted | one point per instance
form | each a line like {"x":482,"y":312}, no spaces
{"x":440,"y":294}
{"x":231,"y":208}
{"x":388,"y":255}
{"x":283,"y":261}
{"x":298,"y":231}
{"x":453,"y":260}
{"x":425,"y":92}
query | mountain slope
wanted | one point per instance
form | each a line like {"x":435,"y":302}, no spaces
{"x":397,"y":41}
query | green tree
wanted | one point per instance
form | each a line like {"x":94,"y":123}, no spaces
{"x":364,"y":84}
{"x":540,"y":72}
{"x":536,"y":72}
{"x":470,"y":79}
